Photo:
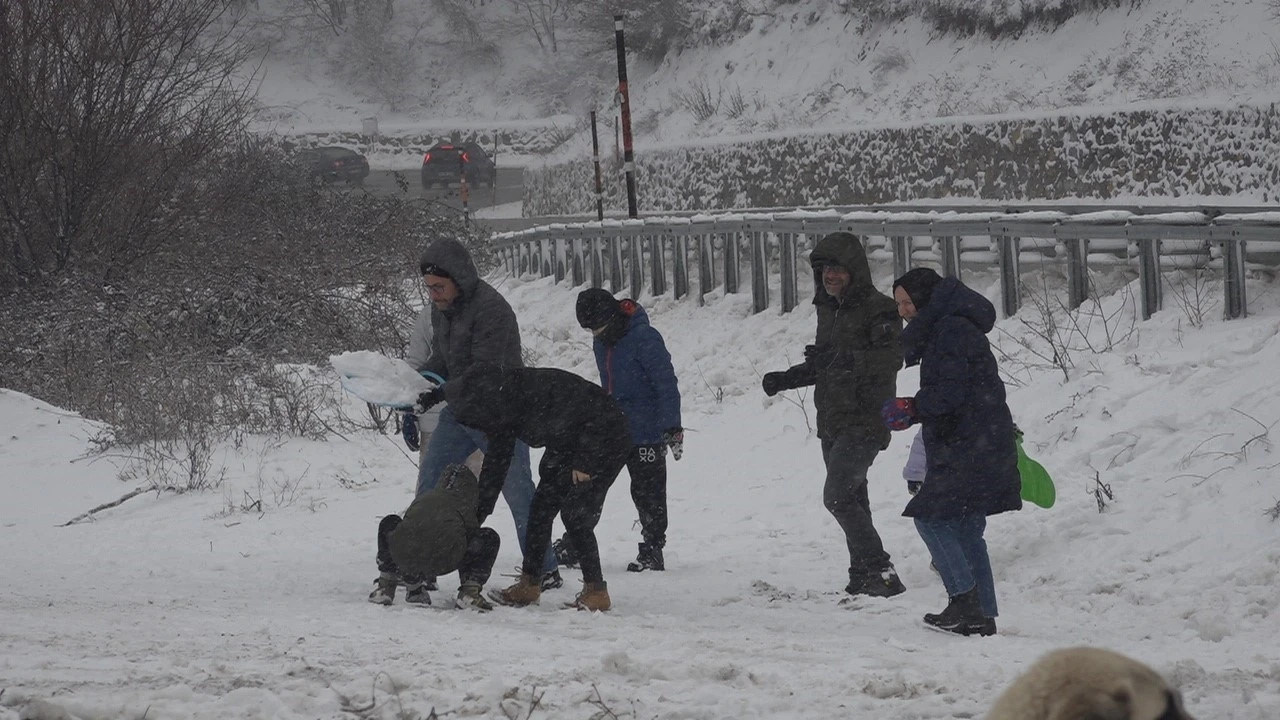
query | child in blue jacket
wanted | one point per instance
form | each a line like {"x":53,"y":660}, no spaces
{"x":635,"y":369}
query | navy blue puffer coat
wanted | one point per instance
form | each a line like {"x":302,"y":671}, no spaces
{"x":637,"y":372}
{"x":968,"y":430}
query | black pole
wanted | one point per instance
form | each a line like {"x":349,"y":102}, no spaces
{"x":595,"y":158}
{"x":628,"y":154}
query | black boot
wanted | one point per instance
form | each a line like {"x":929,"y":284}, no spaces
{"x":566,"y":554}
{"x":879,"y":583}
{"x":649,"y":558}
{"x":963,"y":616}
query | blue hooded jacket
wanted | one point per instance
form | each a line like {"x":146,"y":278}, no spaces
{"x":637,"y":372}
{"x":965,"y":422}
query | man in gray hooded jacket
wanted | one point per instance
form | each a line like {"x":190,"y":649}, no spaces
{"x":470,"y":322}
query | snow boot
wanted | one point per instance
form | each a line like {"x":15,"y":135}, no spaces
{"x":384,"y":589}
{"x":884,"y":583}
{"x":594,"y":597}
{"x":649,"y":558}
{"x":963,"y":616}
{"x":566,"y":554}
{"x":416,"y":593}
{"x":470,"y":598}
{"x":552,"y":580}
{"x":526,"y":591}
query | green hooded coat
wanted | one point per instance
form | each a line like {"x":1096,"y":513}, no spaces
{"x":431,"y":539}
{"x":859,"y":332}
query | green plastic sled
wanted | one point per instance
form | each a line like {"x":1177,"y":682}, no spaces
{"x":1037,"y":486}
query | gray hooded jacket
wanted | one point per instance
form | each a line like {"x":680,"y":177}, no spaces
{"x":480,"y":326}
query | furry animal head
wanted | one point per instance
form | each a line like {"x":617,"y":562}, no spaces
{"x":1089,"y":684}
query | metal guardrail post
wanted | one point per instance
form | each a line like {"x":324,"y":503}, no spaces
{"x":1149,"y":276}
{"x":658,"y":265}
{"x":730,"y":262}
{"x":558,"y":257}
{"x":680,"y":264}
{"x":950,"y":256}
{"x":1235,"y":303}
{"x":901,"y":246}
{"x":759,"y":272}
{"x":597,"y":264}
{"x":706,"y":265}
{"x":1077,"y":271}
{"x":575,"y":247}
{"x":615,"y":264}
{"x":787,"y":267}
{"x":1007,"y":249}
{"x":544,"y":265}
{"x":634,"y":245}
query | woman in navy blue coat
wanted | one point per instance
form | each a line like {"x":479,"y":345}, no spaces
{"x":968,"y":431}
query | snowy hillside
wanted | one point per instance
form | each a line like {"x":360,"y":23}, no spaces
{"x":762,"y":67}
{"x":249,"y":601}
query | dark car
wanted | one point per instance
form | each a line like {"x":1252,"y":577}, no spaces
{"x":328,"y":164}
{"x":447,"y":163}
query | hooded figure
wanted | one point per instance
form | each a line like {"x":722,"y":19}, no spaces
{"x":587,"y":442}
{"x":853,"y":366}
{"x":967,"y":431}
{"x":440,"y":533}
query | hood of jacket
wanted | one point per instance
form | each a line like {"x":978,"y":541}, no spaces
{"x":950,"y":298}
{"x":630,"y":316}
{"x":843,"y":249}
{"x":454,"y":258}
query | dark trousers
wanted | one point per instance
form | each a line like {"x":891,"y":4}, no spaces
{"x":477,"y":561}
{"x":579,"y":507}
{"x":960,"y":553}
{"x":647,"y":466}
{"x":845,"y":497}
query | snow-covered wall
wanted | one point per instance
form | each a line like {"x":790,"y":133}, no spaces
{"x":1152,"y":152}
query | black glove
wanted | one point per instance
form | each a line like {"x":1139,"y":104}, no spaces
{"x":429,"y":399}
{"x":774,"y":383}
{"x":409,"y":429}
{"x":913,"y":486}
{"x":819,"y":355}
{"x":674,"y":439}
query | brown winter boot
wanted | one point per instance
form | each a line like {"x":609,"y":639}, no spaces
{"x":526,"y":591}
{"x":594,"y":597}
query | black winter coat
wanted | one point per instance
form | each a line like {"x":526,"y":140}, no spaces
{"x":859,"y":331}
{"x":968,"y":430}
{"x":543,"y":407}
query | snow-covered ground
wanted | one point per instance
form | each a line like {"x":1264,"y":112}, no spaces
{"x":190,"y":606}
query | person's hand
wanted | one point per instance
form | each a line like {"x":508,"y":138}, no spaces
{"x":819,"y":355}
{"x":409,"y":430}
{"x":580,"y":477}
{"x":428,"y":400}
{"x":899,"y":413}
{"x":913,"y":486}
{"x":774,"y":383}
{"x":674,"y":439}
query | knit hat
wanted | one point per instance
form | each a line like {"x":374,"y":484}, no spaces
{"x":596,"y":307}
{"x":919,"y":284}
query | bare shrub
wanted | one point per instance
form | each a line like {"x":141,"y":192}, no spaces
{"x":110,"y":109}
{"x":699,"y":100}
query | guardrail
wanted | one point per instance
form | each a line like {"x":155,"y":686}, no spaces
{"x":713,"y":247}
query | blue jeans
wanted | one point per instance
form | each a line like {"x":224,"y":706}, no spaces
{"x":452,"y":443}
{"x":960,"y":554}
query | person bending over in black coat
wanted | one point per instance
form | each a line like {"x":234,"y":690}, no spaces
{"x":587,"y":443}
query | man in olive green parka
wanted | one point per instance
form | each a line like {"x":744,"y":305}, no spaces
{"x":853,"y":366}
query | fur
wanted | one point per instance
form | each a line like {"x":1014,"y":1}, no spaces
{"x":1089,"y":684}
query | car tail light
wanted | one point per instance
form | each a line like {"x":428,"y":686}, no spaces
{"x":426,"y":158}
{"x":466,"y":158}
